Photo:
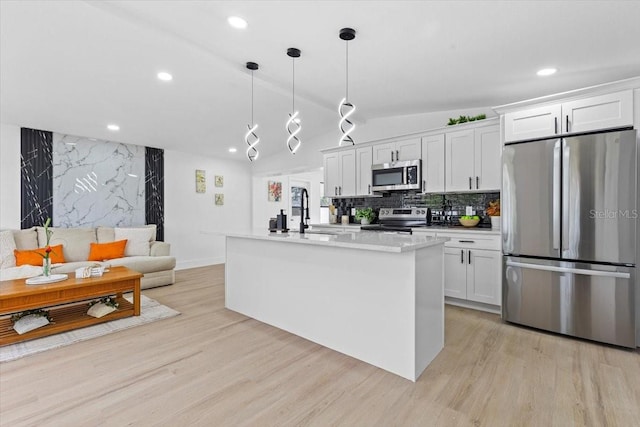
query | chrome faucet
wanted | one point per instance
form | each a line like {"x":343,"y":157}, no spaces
{"x":304,"y":213}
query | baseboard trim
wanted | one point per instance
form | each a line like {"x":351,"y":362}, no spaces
{"x":195,"y":263}
{"x":489,"y":308}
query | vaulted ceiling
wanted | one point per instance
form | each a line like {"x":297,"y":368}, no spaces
{"x":75,"y":66}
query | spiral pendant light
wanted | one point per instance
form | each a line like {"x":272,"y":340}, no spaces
{"x":293,"y":124}
{"x":250,"y":137}
{"x":346,"y":109}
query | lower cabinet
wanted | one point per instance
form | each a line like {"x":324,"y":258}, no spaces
{"x":473,"y":270}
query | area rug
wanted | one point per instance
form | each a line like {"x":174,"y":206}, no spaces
{"x":150,"y":311}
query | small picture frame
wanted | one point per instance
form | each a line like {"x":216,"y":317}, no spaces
{"x":201,"y":181}
{"x":219,"y":197}
{"x":219,"y":181}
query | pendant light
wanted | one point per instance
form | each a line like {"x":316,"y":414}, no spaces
{"x":250,"y":137}
{"x":346,"y":109}
{"x":293,"y":124}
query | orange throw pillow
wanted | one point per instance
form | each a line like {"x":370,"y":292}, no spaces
{"x":104,"y":251}
{"x":35,"y":256}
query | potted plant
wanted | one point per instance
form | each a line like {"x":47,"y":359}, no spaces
{"x":365,"y":215}
{"x":494,"y":213}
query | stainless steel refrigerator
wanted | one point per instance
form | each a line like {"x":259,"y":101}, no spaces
{"x":570,"y":236}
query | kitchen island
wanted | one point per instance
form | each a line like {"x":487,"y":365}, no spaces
{"x":377,"y":297}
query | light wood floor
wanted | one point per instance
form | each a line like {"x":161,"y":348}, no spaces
{"x":212,"y":367}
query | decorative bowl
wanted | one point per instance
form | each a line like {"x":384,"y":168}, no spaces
{"x":469,"y":222}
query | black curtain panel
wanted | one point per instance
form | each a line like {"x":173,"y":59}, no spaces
{"x":36,"y":176}
{"x":154,"y":189}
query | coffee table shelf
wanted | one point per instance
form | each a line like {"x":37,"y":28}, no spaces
{"x":67,"y":302}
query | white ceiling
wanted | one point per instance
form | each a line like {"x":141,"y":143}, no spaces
{"x":75,"y":66}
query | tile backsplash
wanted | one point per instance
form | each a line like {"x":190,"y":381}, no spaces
{"x":436,"y":201}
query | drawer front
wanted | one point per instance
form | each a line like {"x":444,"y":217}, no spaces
{"x":472,"y":241}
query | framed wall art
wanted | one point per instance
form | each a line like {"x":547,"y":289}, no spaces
{"x":201,"y":181}
{"x":274,"y":191}
{"x":219,"y":181}
{"x":219,"y":199}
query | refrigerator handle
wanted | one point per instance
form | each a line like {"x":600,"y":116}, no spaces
{"x":566,"y":195}
{"x":581,"y":271}
{"x":556,"y":195}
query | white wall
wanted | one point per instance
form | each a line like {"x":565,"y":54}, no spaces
{"x":308,"y":157}
{"x":193,"y":223}
{"x":9,"y":176}
{"x":263,"y":209}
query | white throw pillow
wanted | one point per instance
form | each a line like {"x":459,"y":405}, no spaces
{"x":7,"y":245}
{"x":138,"y":240}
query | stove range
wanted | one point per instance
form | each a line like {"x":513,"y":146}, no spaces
{"x":400,"y":220}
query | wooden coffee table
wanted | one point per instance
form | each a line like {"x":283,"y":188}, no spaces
{"x":66,"y":302}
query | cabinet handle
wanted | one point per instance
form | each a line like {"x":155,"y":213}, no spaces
{"x":369,"y":189}
{"x":461,"y":256}
{"x":469,"y":256}
{"x":567,"y":123}
{"x":339,"y":190}
{"x":466,"y":241}
{"x":470,"y":179}
{"x":335,"y":191}
{"x":397,"y":155}
{"x":477,"y":182}
{"x":555,"y":125}
{"x":424,"y":185}
{"x":392,"y":155}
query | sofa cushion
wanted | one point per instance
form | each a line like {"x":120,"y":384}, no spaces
{"x":26,"y":239}
{"x":104,"y":251}
{"x":7,"y":246}
{"x":107,"y":234}
{"x":145,"y":264}
{"x":35,"y":256}
{"x":76,"y":241}
{"x":138,"y":240}
{"x":20,"y":272}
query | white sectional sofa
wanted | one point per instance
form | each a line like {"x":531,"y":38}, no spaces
{"x":157,"y":266}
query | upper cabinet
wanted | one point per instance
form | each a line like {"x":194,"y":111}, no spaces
{"x":433,"y":163}
{"x":473,"y":159}
{"x":364,"y":160}
{"x":340,"y":173}
{"x":608,"y":111}
{"x":404,"y":149}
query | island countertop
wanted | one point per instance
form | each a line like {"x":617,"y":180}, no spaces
{"x":378,"y":241}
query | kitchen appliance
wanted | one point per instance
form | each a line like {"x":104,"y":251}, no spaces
{"x":400,"y":220}
{"x":397,"y":176}
{"x":570,"y":236}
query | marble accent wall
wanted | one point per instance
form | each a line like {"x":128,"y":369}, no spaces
{"x":97,"y":182}
{"x":154,"y":189}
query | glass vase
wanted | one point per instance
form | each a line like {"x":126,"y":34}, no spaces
{"x":46,"y":267}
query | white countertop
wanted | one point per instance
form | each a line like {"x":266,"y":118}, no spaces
{"x":435,"y":228}
{"x":378,"y":241}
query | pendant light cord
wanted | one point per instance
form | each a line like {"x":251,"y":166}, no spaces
{"x":293,"y":86}
{"x":252,"y":122}
{"x":347,"y":74}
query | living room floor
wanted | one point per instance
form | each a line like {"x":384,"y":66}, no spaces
{"x":211,"y":366}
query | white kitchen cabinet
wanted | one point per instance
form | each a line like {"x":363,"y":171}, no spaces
{"x":608,"y":111}
{"x":601,"y":112}
{"x":473,"y":269}
{"x":473,"y":159}
{"x":364,"y":160}
{"x":404,"y":149}
{"x":340,"y":173}
{"x":459,"y":160}
{"x":433,"y":163}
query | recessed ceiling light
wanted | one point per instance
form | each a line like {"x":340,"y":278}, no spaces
{"x":113,"y":127}
{"x":164,"y":76}
{"x":233,"y":149}
{"x":237,"y":22}
{"x":546,"y":72}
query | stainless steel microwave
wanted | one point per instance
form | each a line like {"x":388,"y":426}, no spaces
{"x":397,"y":176}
